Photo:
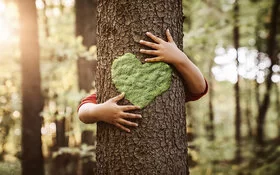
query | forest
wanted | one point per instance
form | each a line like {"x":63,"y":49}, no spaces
{"x":54,"y":53}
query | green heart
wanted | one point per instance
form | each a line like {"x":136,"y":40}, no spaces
{"x":141,"y":83}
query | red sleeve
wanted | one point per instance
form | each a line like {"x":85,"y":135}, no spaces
{"x":89,"y":99}
{"x":193,"y":97}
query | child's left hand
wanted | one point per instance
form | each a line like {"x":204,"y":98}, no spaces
{"x":167,"y":52}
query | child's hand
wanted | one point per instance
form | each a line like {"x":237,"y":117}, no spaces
{"x":114,"y":114}
{"x":164,"y":51}
{"x":168,"y":52}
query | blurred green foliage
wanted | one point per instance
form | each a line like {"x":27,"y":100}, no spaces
{"x":10,"y":168}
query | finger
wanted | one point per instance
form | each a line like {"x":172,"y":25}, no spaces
{"x":149,"y":44}
{"x":129,"y":107}
{"x":149,"y":52}
{"x":118,"y":97}
{"x":122,"y":127}
{"x":125,"y":122}
{"x":169,"y":37}
{"x":155,"y":38}
{"x":155,"y":59}
{"x":130,"y":115}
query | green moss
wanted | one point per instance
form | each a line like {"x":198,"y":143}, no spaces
{"x":141,"y":83}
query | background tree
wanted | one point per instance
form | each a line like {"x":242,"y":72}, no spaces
{"x":272,"y":53}
{"x":86,"y":28}
{"x":32,"y":101}
{"x":236,"y":37}
{"x":158,"y":145}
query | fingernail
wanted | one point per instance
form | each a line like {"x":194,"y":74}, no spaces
{"x":140,"y":116}
{"x":136,"y":124}
{"x":167,"y":30}
{"x":147,"y":33}
{"x":140,"y":41}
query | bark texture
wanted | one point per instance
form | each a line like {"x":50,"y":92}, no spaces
{"x":158,"y":145}
{"x":32,"y":101}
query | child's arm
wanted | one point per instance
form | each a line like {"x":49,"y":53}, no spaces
{"x":109,"y":112}
{"x":169,"y":52}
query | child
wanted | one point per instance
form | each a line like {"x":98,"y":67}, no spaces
{"x":168,"y":52}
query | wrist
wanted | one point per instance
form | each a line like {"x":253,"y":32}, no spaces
{"x":182,"y":61}
{"x":97,"y":112}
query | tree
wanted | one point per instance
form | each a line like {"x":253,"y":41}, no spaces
{"x":32,"y":101}
{"x":211,"y":125}
{"x":236,"y":85}
{"x":86,"y":27}
{"x":271,"y":51}
{"x":158,"y":145}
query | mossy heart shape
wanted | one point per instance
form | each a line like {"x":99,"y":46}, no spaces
{"x":141,"y":83}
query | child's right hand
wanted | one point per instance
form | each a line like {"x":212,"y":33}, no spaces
{"x":115,"y":114}
{"x":109,"y":112}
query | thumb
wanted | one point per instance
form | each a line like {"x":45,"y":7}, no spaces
{"x":118,"y":97}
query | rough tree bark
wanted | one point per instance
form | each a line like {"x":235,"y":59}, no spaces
{"x":236,"y":86}
{"x":158,"y":145}
{"x":32,"y":101}
{"x":271,"y":48}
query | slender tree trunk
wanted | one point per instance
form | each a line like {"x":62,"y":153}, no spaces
{"x":191,"y":118}
{"x":248,"y":109}
{"x":278,"y":107}
{"x":32,"y":101}
{"x":257,"y":95}
{"x":158,"y":145}
{"x":86,"y":27}
{"x":236,"y":86}
{"x":271,"y":48}
{"x":61,"y":140}
{"x":210,"y":103}
{"x":45,"y":19}
{"x":88,"y":166}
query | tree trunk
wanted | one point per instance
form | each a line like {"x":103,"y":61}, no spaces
{"x":32,"y":101}
{"x":86,"y":27}
{"x":278,"y":107}
{"x":210,"y":104}
{"x":45,"y":19}
{"x":248,"y":109}
{"x":190,"y":131}
{"x":236,"y":86}
{"x":61,"y":140}
{"x":88,"y":166}
{"x":271,"y":48}
{"x":158,"y":145}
